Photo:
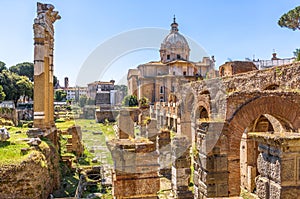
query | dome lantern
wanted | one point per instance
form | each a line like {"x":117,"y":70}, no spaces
{"x":174,"y":46}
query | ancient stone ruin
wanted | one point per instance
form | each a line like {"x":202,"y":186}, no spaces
{"x":43,"y":66}
{"x":4,"y":134}
{"x":136,"y":165}
{"x":242,"y":130}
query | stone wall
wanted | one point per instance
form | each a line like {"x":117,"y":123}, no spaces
{"x":9,"y":114}
{"x":35,"y":177}
{"x":278,"y":165}
{"x":164,"y":150}
{"x":181,"y":168}
{"x":210,"y":161}
{"x":75,"y":143}
{"x":102,"y":115}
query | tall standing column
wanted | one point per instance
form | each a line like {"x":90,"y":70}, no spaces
{"x":51,"y":87}
{"x":43,"y":65}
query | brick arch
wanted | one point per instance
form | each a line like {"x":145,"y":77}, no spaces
{"x":243,"y":117}
{"x":201,"y":104}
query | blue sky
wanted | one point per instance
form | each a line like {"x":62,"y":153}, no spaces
{"x":226,"y":29}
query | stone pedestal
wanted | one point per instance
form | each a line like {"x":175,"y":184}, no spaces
{"x":135,"y":168}
{"x":278,"y":165}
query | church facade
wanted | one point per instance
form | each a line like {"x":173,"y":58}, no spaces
{"x":157,"y":80}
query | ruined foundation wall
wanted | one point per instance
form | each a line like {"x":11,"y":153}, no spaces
{"x":278,"y":165}
{"x":35,"y":177}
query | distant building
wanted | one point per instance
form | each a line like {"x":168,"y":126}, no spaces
{"x":236,"y":67}
{"x":274,"y":61}
{"x":99,"y":86}
{"x":73,"y":92}
{"x":156,"y":80}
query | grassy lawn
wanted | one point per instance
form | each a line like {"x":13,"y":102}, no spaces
{"x":95,"y":146}
{"x":94,"y":143}
{"x":10,"y":150}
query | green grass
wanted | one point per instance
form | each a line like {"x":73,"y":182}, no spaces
{"x":247,"y":195}
{"x":65,"y":125}
{"x":90,"y":140}
{"x":10,"y":150}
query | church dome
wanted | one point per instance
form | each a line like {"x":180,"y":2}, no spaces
{"x":174,"y":46}
{"x":175,"y":39}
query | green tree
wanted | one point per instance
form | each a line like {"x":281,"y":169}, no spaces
{"x":60,"y":95}
{"x":2,"y":66}
{"x":23,"y":69}
{"x":91,"y":101}
{"x":297,"y":54}
{"x":54,"y":80}
{"x":291,"y":19}
{"x":144,"y":102}
{"x":130,"y":100}
{"x":2,"y":94}
{"x":122,"y":88}
{"x":82,"y":100}
{"x":15,"y":86}
{"x":25,"y":87}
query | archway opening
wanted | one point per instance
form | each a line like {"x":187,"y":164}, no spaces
{"x":249,"y":148}
{"x":202,"y":114}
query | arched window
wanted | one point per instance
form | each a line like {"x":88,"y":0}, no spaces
{"x":162,"y":90}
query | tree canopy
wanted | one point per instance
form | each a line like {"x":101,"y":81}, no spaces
{"x":297,"y":54}
{"x":60,"y":95}
{"x":23,"y":69}
{"x":15,"y":86}
{"x":2,"y":94}
{"x":291,"y":19}
{"x":83,"y":100}
{"x":2,"y":66}
{"x":130,"y":100}
{"x":122,"y":88}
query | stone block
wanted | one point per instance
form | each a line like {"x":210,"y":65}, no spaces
{"x":275,"y":190}
{"x":288,"y":171}
{"x":262,"y":187}
{"x":263,"y":165}
{"x":275,"y":168}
